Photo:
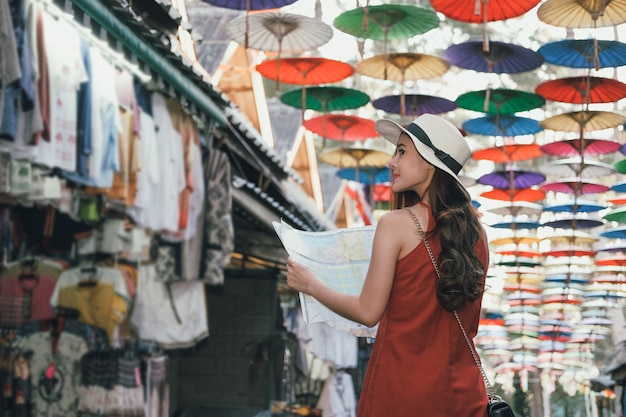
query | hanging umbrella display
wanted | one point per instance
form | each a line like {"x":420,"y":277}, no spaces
{"x":480,"y":11}
{"x":342,"y":127}
{"x":583,"y":121}
{"x":582,"y":90}
{"x":501,"y":58}
{"x":512,"y":179}
{"x":387,"y":21}
{"x":325,"y":98}
{"x":502,"y":125}
{"x":581,"y":53}
{"x":401,"y":67}
{"x":414,"y":104}
{"x":575,"y":14}
{"x":366,"y":175}
{"x":305,"y":71}
{"x":279,"y":32}
{"x":577,"y":167}
{"x":580,"y":147}
{"x":508,"y":153}
{"x":500,"y":101}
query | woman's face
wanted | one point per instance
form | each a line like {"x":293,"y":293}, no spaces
{"x":409,"y":171}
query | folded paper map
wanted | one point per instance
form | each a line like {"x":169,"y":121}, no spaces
{"x":340,"y":259}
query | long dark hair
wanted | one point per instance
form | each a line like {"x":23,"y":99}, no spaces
{"x":458,"y":228}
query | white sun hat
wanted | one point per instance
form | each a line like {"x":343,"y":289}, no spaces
{"x":437,"y":140}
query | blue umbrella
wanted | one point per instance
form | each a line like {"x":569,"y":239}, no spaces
{"x":573,"y":223}
{"x":579,"y":53}
{"x":501,"y":58}
{"x":366,"y":175}
{"x":517,"y":224}
{"x":575,"y":206}
{"x":614,"y":233}
{"x":619,"y":187}
{"x":502,"y":125}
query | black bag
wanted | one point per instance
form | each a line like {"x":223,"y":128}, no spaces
{"x":498,"y":408}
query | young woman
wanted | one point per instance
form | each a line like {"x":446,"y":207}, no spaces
{"x":420,"y":364}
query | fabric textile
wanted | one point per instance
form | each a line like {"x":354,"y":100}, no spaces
{"x":420,"y":364}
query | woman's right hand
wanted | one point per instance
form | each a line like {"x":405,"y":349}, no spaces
{"x":299,"y":277}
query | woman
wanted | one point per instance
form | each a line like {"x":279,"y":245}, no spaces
{"x":420,"y":364}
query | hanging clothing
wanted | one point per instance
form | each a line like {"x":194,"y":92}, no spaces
{"x":219,"y":241}
{"x":338,"y":398}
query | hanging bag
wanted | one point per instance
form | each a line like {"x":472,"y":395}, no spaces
{"x":496,"y":407}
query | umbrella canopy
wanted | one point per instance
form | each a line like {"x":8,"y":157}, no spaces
{"x":616,"y":215}
{"x":414,"y":104}
{"x":500,"y":101}
{"x":573,"y":223}
{"x":478,"y":11}
{"x":620,"y":166}
{"x":583,"y":53}
{"x":577,"y":167}
{"x":342,"y":127}
{"x":305,"y":70}
{"x":575,"y":205}
{"x":583,"y":121}
{"x":582,"y":90}
{"x":580,"y":147}
{"x":507,"y":179}
{"x":501,"y":57}
{"x":279,"y":32}
{"x":250,"y":4}
{"x":402,"y":66}
{"x":524,"y":194}
{"x":355,"y":157}
{"x":366,"y":175}
{"x":387,"y":21}
{"x":587,"y":14}
{"x":517,"y":208}
{"x":508,"y":153}
{"x":325,"y":98}
{"x":502,"y":125}
{"x":575,"y":186}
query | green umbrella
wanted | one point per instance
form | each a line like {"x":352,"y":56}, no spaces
{"x":387,"y":21}
{"x":500,"y":101}
{"x":325,"y":98}
{"x":616,"y":215}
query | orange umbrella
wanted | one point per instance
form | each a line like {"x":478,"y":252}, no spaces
{"x":305,"y":70}
{"x":509,"y":153}
{"x":525,"y":194}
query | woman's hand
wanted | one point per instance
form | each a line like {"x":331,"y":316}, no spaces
{"x":299,"y":277}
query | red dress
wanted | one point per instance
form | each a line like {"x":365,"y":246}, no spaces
{"x":420,"y":365}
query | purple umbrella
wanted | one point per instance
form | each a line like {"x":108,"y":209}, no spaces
{"x":250,"y":4}
{"x":414,"y":104}
{"x":506,"y":179}
{"x":502,"y":57}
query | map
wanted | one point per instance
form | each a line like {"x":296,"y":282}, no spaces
{"x":340,"y":259}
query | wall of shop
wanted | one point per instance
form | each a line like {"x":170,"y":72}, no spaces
{"x":233,"y":370}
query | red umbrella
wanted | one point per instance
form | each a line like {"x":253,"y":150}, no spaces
{"x":581,"y":147}
{"x":482,"y":11}
{"x":509,"y":153}
{"x":342,"y":127}
{"x":582,"y":90}
{"x":479,"y":11}
{"x":575,"y":186}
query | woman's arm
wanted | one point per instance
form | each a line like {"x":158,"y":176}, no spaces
{"x":368,"y":307}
